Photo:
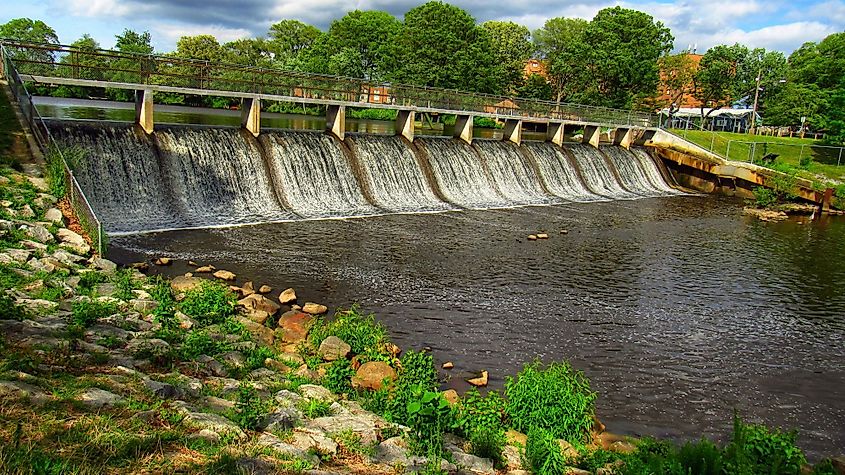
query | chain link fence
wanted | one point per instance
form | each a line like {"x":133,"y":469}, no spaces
{"x":53,"y":151}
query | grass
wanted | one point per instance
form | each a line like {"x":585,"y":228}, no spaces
{"x":821,"y":166}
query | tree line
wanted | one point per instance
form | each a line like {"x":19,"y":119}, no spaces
{"x":617,"y":59}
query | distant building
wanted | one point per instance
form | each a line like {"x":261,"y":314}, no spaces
{"x":680,"y":97}
{"x":535,"y":66}
{"x":723,"y":120}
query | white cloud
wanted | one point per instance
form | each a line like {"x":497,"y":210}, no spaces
{"x":99,"y":8}
{"x":171,"y":32}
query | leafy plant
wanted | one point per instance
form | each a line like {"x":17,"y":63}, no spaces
{"x":480,"y":419}
{"x":416,"y":371}
{"x":363,"y":333}
{"x":250,"y":410}
{"x":87,"y":312}
{"x":314,"y":408}
{"x":429,"y":416}
{"x":9,"y":310}
{"x":765,"y":197}
{"x":554,"y":397}
{"x":209,"y":303}
{"x":489,"y":444}
{"x":339,"y":376}
{"x":198,"y":343}
{"x":756,"y":449}
{"x":542,"y":453}
{"x":124,"y":284}
{"x":88,"y":281}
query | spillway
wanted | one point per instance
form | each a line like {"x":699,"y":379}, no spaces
{"x":512,"y":173}
{"x":597,"y":173}
{"x":558,"y":172}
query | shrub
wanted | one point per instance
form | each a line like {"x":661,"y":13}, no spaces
{"x":765,"y":197}
{"x":480,"y":419}
{"x":209,"y":303}
{"x":123,"y":284}
{"x":556,"y":398}
{"x":702,"y":457}
{"x":756,"y":449}
{"x":9,"y":310}
{"x":362,"y":333}
{"x":416,"y":371}
{"x":543,"y":454}
{"x":314,"y":408}
{"x":250,"y":410}
{"x":88,"y":281}
{"x":85,"y":313}
{"x":200,"y":343}
{"x":489,"y":444}
{"x":428,"y":416}
{"x":339,"y":376}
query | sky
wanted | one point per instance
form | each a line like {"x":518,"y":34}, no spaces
{"x":781,"y":25}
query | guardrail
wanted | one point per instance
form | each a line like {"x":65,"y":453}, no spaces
{"x":113,"y":66}
{"x":49,"y":147}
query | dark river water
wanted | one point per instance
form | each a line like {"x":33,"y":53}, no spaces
{"x":680,"y":310}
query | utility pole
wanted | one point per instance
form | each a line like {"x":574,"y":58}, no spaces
{"x":756,"y":96}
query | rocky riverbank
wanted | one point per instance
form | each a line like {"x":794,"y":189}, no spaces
{"x":107,"y":369}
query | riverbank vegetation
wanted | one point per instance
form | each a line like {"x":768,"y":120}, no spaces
{"x":105,"y":369}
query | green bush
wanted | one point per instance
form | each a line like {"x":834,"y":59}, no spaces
{"x":124,"y":285}
{"x":208,"y":304}
{"x":198,"y":343}
{"x":702,"y":457}
{"x":555,"y":397}
{"x":542,"y":453}
{"x":9,"y":310}
{"x":489,"y":445}
{"x":765,"y":197}
{"x":339,"y":376}
{"x":363,"y":333}
{"x":372,"y":114}
{"x":88,"y":281}
{"x":314,"y":408}
{"x":480,"y":419}
{"x":428,"y":416}
{"x":250,"y":410}
{"x":756,"y":449}
{"x":85,"y":313}
{"x":416,"y":371}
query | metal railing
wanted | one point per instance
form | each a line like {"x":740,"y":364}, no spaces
{"x":767,"y":152}
{"x":51,"y":149}
{"x":108,"y":66}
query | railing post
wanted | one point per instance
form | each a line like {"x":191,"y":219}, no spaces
{"x":800,"y":154}
{"x":839,"y":160}
{"x":728,"y":150}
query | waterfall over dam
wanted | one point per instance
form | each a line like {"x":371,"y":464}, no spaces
{"x":184,"y":177}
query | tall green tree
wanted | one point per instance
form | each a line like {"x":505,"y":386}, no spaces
{"x":511,"y":48}
{"x":247,"y":52}
{"x":30,"y":31}
{"x":358,"y":45}
{"x":131,"y":41}
{"x":617,"y":56}
{"x":82,"y":63}
{"x":440,"y":45}
{"x":717,"y":77}
{"x":288,"y":38}
{"x":132,"y":68}
{"x":551,"y":43}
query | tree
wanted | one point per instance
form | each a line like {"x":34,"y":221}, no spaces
{"x":794,"y":101}
{"x":288,"y":38}
{"x":358,"y":45}
{"x":133,"y":42}
{"x":716,"y":79}
{"x":30,"y":31}
{"x":551,"y":43}
{"x":771,"y":69}
{"x":677,"y":72}
{"x":440,"y":45}
{"x":247,"y":52}
{"x":535,"y":86}
{"x":82,"y":63}
{"x":617,"y":55}
{"x":511,"y":48}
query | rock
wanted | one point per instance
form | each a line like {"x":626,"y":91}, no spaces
{"x":163,"y":390}
{"x":392,"y":452}
{"x":568,"y":451}
{"x":224,"y":275}
{"x":45,"y":200}
{"x":448,"y":365}
{"x":576,"y":471}
{"x":234,"y":359}
{"x":26,"y":212}
{"x":214,"y":423}
{"x":294,"y":326}
{"x":143,"y":306}
{"x":516,"y":438}
{"x":305,"y":372}
{"x":265,"y":289}
{"x":140,"y":266}
{"x":103,"y":264}
{"x":205,"y":269}
{"x":287,"y":398}
{"x":282,"y":419}
{"x":163,"y":261}
{"x":372,"y":374}
{"x":258,"y":302}
{"x":623,"y":447}
{"x":212,"y":366}
{"x":141,"y":347}
{"x":287,"y":296}
{"x":67,"y":258}
{"x":272,"y":442}
{"x":39,"y":233}
{"x":38,"y":305}
{"x":182,"y":283}
{"x":512,"y":457}
{"x":37,"y":246}
{"x":217,"y":404}
{"x":310,"y":439}
{"x":314,"y":308}
{"x":333,"y":348}
{"x":73,"y":241}
{"x":532,"y":237}
{"x":564,"y":231}
{"x":207,"y":435}
{"x":365,"y":426}
{"x":295,"y":307}
{"x":95,"y":398}
{"x":18,"y":390}
{"x":473,"y":463}
{"x":451,"y":396}
{"x":319,"y":393}
{"x":542,"y":236}
{"x":598,"y":427}
{"x":259,"y":333}
{"x":20,"y":255}
{"x":479,"y":381}
{"x":40,"y":184}
{"x":54,"y":216}
{"x":838,"y":464}
{"x":248,"y":288}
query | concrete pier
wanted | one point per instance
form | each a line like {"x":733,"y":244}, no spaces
{"x":336,"y":120}
{"x":592,"y":135}
{"x":513,"y":131}
{"x":623,"y":137}
{"x":463,"y":128}
{"x":405,"y":124}
{"x":144,"y":109}
{"x":251,"y":115}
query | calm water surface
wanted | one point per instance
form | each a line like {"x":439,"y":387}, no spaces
{"x":679,"y":310}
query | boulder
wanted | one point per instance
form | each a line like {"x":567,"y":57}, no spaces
{"x":265,"y":289}
{"x":314,"y":308}
{"x":838,"y":464}
{"x":313,"y":440}
{"x":54,"y":216}
{"x":532,"y":237}
{"x":163,"y":390}
{"x":372,"y":374}
{"x":39,"y":183}
{"x":542,"y":236}
{"x":205,"y":269}
{"x":39,"y":233}
{"x":451,"y":396}
{"x":104,"y":265}
{"x":333,"y":348}
{"x":259,"y":332}
{"x":21,"y":255}
{"x":260,"y":303}
{"x":163,"y":261}
{"x":224,"y":275}
{"x":26,"y":212}
{"x":140,"y":266}
{"x":248,"y":288}
{"x":95,"y":398}
{"x":73,"y":241}
{"x":319,"y":393}
{"x":479,"y":381}
{"x":287,"y":398}
{"x":214,"y":423}
{"x":183,"y":283}
{"x":287,"y":296}
{"x":363,"y":426}
{"x":473,"y":463}
{"x":270,"y":441}
{"x":516,"y":438}
{"x":36,"y":246}
{"x":282,"y":419}
{"x":19,"y":390}
{"x":234,"y":359}
{"x":448,"y":365}
{"x":293,"y":326}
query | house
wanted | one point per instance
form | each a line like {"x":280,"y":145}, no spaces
{"x":534,"y":66}
{"x":683,"y":96}
{"x":724,"y":120}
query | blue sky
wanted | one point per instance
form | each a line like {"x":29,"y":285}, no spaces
{"x":774,"y":24}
